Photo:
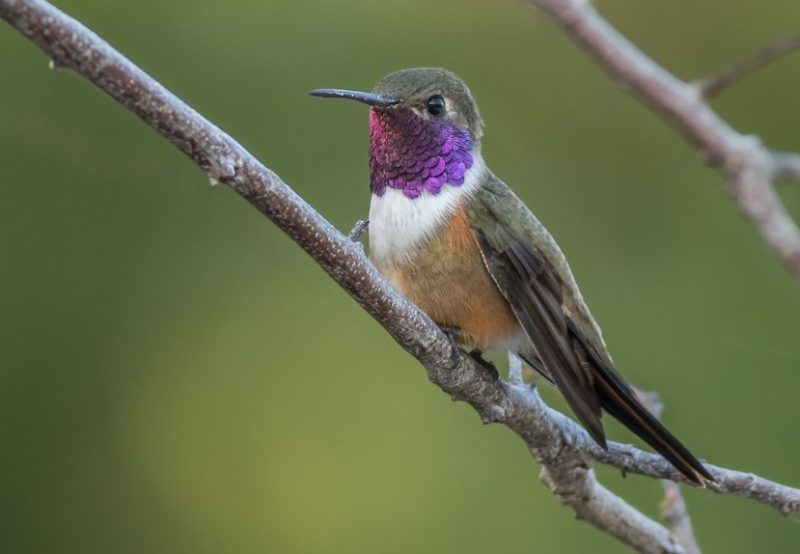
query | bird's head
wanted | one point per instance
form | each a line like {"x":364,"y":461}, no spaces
{"x":425,"y":130}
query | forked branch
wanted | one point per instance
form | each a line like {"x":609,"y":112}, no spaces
{"x":748,"y":167}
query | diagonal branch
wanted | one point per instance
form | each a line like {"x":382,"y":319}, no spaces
{"x":566,"y":471}
{"x":564,"y":450}
{"x":746,"y":164}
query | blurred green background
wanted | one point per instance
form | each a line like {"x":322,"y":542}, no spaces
{"x":176,"y":376}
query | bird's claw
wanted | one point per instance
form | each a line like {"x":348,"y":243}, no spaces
{"x":455,"y":351}
{"x":358,"y":229}
{"x":477,"y":355}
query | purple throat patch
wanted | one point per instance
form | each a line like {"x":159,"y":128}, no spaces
{"x":412,"y":154}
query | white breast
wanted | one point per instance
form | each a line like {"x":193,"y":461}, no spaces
{"x":399,"y":225}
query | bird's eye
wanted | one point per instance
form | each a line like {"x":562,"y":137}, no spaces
{"x":435,"y":105}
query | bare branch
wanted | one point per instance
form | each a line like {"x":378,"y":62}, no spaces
{"x":631,"y":460}
{"x":577,"y":487}
{"x":550,"y":437}
{"x":714,"y":86}
{"x":562,"y":447}
{"x":676,"y":515}
{"x":748,"y":167}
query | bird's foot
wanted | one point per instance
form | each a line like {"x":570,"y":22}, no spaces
{"x":358,"y":229}
{"x":477,"y":355}
{"x":455,"y":351}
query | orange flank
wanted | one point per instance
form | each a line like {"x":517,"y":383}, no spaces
{"x":447,"y":279}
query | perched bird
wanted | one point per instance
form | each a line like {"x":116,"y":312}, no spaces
{"x":458,"y":243}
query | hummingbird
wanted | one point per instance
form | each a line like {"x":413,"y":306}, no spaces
{"x":457,"y":242}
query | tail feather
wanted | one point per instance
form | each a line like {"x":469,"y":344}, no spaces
{"x":619,"y":400}
{"x":625,"y":408}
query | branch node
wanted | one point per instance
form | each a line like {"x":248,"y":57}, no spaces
{"x":493,"y":414}
{"x":223,"y":167}
{"x":786,"y":166}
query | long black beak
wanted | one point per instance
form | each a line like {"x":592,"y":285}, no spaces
{"x":364,"y":97}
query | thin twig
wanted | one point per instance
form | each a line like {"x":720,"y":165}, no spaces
{"x":676,"y":515}
{"x":673,"y":507}
{"x":787,"y":165}
{"x":562,"y":447}
{"x":711,"y":87}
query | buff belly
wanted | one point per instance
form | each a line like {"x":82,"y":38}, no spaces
{"x":446,"y":277}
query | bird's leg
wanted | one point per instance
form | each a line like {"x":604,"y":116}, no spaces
{"x":452,"y":335}
{"x":477,"y":355}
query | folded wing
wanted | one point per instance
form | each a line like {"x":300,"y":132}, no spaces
{"x":565,"y":338}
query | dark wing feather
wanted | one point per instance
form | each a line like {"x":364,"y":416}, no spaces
{"x":619,"y":400}
{"x":534,"y":293}
{"x":583,"y":374}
